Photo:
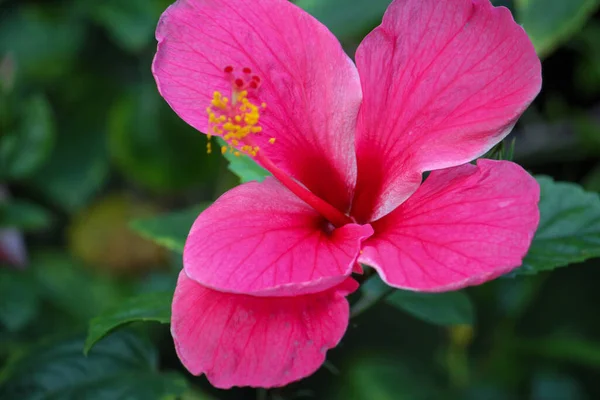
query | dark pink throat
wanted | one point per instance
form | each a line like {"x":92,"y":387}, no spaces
{"x":329,"y":212}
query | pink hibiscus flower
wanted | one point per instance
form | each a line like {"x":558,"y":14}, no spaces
{"x":267,"y":266}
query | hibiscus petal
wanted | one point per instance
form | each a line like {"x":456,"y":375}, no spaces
{"x":310,"y":86}
{"x":240,"y":340}
{"x":463,"y":226}
{"x":443,"y":82}
{"x":260,"y":239}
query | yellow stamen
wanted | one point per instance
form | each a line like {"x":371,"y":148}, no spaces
{"x":234,"y":121}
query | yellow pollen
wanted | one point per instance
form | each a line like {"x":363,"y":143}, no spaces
{"x":272,"y":140}
{"x":234,"y":121}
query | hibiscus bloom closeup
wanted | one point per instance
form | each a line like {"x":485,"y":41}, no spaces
{"x":267,"y":267}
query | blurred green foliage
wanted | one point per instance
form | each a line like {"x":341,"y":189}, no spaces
{"x":169,"y":230}
{"x":152,"y":306}
{"x":557,"y":23}
{"x":81,"y":123}
{"x":28,"y":144}
{"x":569,"y":229}
{"x":121,"y":367}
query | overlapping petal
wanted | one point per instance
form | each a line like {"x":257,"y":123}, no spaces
{"x":260,"y":239}
{"x":465,"y":225}
{"x":443,"y":81}
{"x":311,"y":88}
{"x":239,"y":340}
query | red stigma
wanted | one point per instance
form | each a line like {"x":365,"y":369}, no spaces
{"x":241,"y":78}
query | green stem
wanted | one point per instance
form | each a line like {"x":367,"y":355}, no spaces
{"x":368,"y":298}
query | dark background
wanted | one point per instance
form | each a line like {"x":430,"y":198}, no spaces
{"x":87,"y":145}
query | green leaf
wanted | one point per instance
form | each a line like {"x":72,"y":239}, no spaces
{"x":559,"y":20}
{"x":153,"y":146}
{"x":23,"y":150}
{"x":169,"y":230}
{"x":153,"y":307}
{"x":24,"y":215}
{"x":449,"y":308}
{"x":346,"y":19}
{"x":244,"y":167}
{"x":122,"y":367}
{"x":569,"y":229}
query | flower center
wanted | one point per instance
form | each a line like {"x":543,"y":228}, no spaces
{"x":236,"y":118}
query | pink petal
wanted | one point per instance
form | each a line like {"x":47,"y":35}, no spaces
{"x":443,"y":82}
{"x":311,"y":88}
{"x":260,"y":239}
{"x":463,"y":226}
{"x":240,"y":340}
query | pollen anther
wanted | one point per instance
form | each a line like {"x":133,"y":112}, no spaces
{"x":235,"y":119}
